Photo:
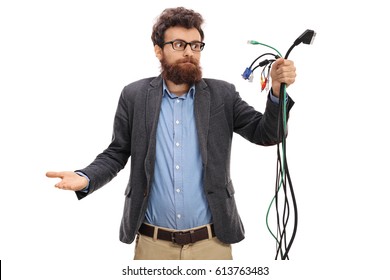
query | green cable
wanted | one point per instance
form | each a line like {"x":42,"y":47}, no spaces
{"x":253,"y":42}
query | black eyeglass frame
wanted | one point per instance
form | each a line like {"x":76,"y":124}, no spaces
{"x":192,"y":44}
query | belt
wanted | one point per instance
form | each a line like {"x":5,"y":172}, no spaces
{"x":178,"y":237}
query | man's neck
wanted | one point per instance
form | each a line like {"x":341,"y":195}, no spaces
{"x":178,"y":90}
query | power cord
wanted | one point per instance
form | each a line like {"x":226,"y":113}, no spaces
{"x":283,"y":178}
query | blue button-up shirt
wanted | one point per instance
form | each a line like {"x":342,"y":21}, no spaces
{"x":177,"y":199}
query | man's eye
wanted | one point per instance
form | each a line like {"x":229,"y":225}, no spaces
{"x":178,"y":44}
{"x":195,"y":46}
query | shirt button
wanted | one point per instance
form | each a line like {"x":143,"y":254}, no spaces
{"x":177,"y":190}
{"x":177,"y":167}
{"x":179,"y":216}
{"x":177,"y":144}
{"x":177,"y":122}
{"x":177,"y":100}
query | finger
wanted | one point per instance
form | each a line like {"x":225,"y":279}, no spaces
{"x":278,"y":62}
{"x":62,"y":188}
{"x":286,"y":72}
{"x":61,"y":185}
{"x":287,"y":62}
{"x":52,"y":174}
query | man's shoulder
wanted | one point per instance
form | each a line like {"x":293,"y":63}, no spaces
{"x":142,"y":83}
{"x":216,"y":82}
{"x":219,"y":86}
{"x":139,"y":88}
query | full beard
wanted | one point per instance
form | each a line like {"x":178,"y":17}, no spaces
{"x":183,"y":71}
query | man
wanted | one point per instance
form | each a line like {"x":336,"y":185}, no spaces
{"x":177,"y":128}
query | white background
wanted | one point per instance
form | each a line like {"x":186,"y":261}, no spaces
{"x":63,"y":65}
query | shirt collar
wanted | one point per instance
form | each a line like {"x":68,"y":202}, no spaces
{"x":190,"y":93}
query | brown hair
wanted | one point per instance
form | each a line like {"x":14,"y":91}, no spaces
{"x":175,"y":17}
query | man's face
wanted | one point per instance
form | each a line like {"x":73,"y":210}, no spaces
{"x":180,"y":66}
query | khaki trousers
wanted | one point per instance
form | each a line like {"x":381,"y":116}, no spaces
{"x":148,"y":248}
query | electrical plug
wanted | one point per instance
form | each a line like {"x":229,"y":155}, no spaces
{"x":307,"y":37}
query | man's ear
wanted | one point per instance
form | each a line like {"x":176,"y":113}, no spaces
{"x":158,"y":52}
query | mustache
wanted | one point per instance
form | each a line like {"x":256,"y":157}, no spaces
{"x":187,"y":60}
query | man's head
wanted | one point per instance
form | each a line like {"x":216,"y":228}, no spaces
{"x":176,"y":17}
{"x":178,"y":39}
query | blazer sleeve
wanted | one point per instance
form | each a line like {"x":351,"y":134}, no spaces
{"x":259,"y":128}
{"x":113,"y":159}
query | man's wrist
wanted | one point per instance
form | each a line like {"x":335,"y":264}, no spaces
{"x":86,"y":189}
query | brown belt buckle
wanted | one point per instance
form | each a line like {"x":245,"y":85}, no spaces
{"x":182,"y":238}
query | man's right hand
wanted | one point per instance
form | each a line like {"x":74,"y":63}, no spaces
{"x":69,"y":180}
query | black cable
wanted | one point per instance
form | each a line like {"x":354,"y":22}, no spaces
{"x":264,"y":54}
{"x":307,"y":37}
{"x":286,"y":179}
{"x":295,"y":212}
{"x":283,"y":178}
{"x":282,"y":133}
{"x":277,"y":188}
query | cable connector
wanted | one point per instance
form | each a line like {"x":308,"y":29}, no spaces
{"x":307,"y":37}
{"x":264,"y":62}
{"x":247,"y":74}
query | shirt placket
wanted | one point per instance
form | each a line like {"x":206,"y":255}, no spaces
{"x":177,"y":159}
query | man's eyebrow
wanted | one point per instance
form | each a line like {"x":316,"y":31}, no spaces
{"x":178,"y":39}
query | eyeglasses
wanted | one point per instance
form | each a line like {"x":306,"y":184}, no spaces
{"x":180,"y":45}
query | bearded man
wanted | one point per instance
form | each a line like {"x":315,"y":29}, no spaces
{"x":177,"y":129}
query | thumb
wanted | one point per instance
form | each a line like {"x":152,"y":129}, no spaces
{"x":53,"y":174}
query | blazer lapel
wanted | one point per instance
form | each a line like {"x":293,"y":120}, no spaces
{"x":153,"y":104}
{"x":202,"y":116}
{"x":152,"y":107}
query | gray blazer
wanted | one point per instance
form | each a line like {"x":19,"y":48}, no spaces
{"x":219,"y":111}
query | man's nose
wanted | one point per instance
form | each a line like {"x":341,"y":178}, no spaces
{"x":188,"y":51}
